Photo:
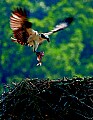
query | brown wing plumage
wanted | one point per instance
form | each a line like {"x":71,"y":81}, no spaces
{"x":19,"y":24}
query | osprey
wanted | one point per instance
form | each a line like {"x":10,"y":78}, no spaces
{"x":25,"y":35}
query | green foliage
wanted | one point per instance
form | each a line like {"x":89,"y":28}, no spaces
{"x":70,"y":51}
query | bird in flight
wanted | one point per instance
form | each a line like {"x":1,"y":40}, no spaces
{"x":24,"y":34}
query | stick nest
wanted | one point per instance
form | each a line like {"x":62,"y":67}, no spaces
{"x":62,"y":99}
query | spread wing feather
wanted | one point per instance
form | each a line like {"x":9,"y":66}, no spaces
{"x":61,"y":26}
{"x":19,"y":24}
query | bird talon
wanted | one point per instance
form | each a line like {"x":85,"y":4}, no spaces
{"x":39,"y":57}
{"x":39,"y":64}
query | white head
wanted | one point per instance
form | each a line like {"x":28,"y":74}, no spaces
{"x":42,"y":35}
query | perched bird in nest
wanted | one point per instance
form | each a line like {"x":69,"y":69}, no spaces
{"x":25,"y":35}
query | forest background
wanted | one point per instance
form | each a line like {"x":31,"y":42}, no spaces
{"x":69,"y":53}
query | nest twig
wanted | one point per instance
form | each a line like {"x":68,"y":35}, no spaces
{"x":62,"y":99}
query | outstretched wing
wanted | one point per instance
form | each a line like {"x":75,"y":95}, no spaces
{"x":19,"y":24}
{"x":61,"y":26}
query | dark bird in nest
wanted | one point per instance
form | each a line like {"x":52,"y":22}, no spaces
{"x":25,"y":35}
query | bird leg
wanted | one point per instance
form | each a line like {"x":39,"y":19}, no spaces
{"x":35,"y":46}
{"x":38,"y":54}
